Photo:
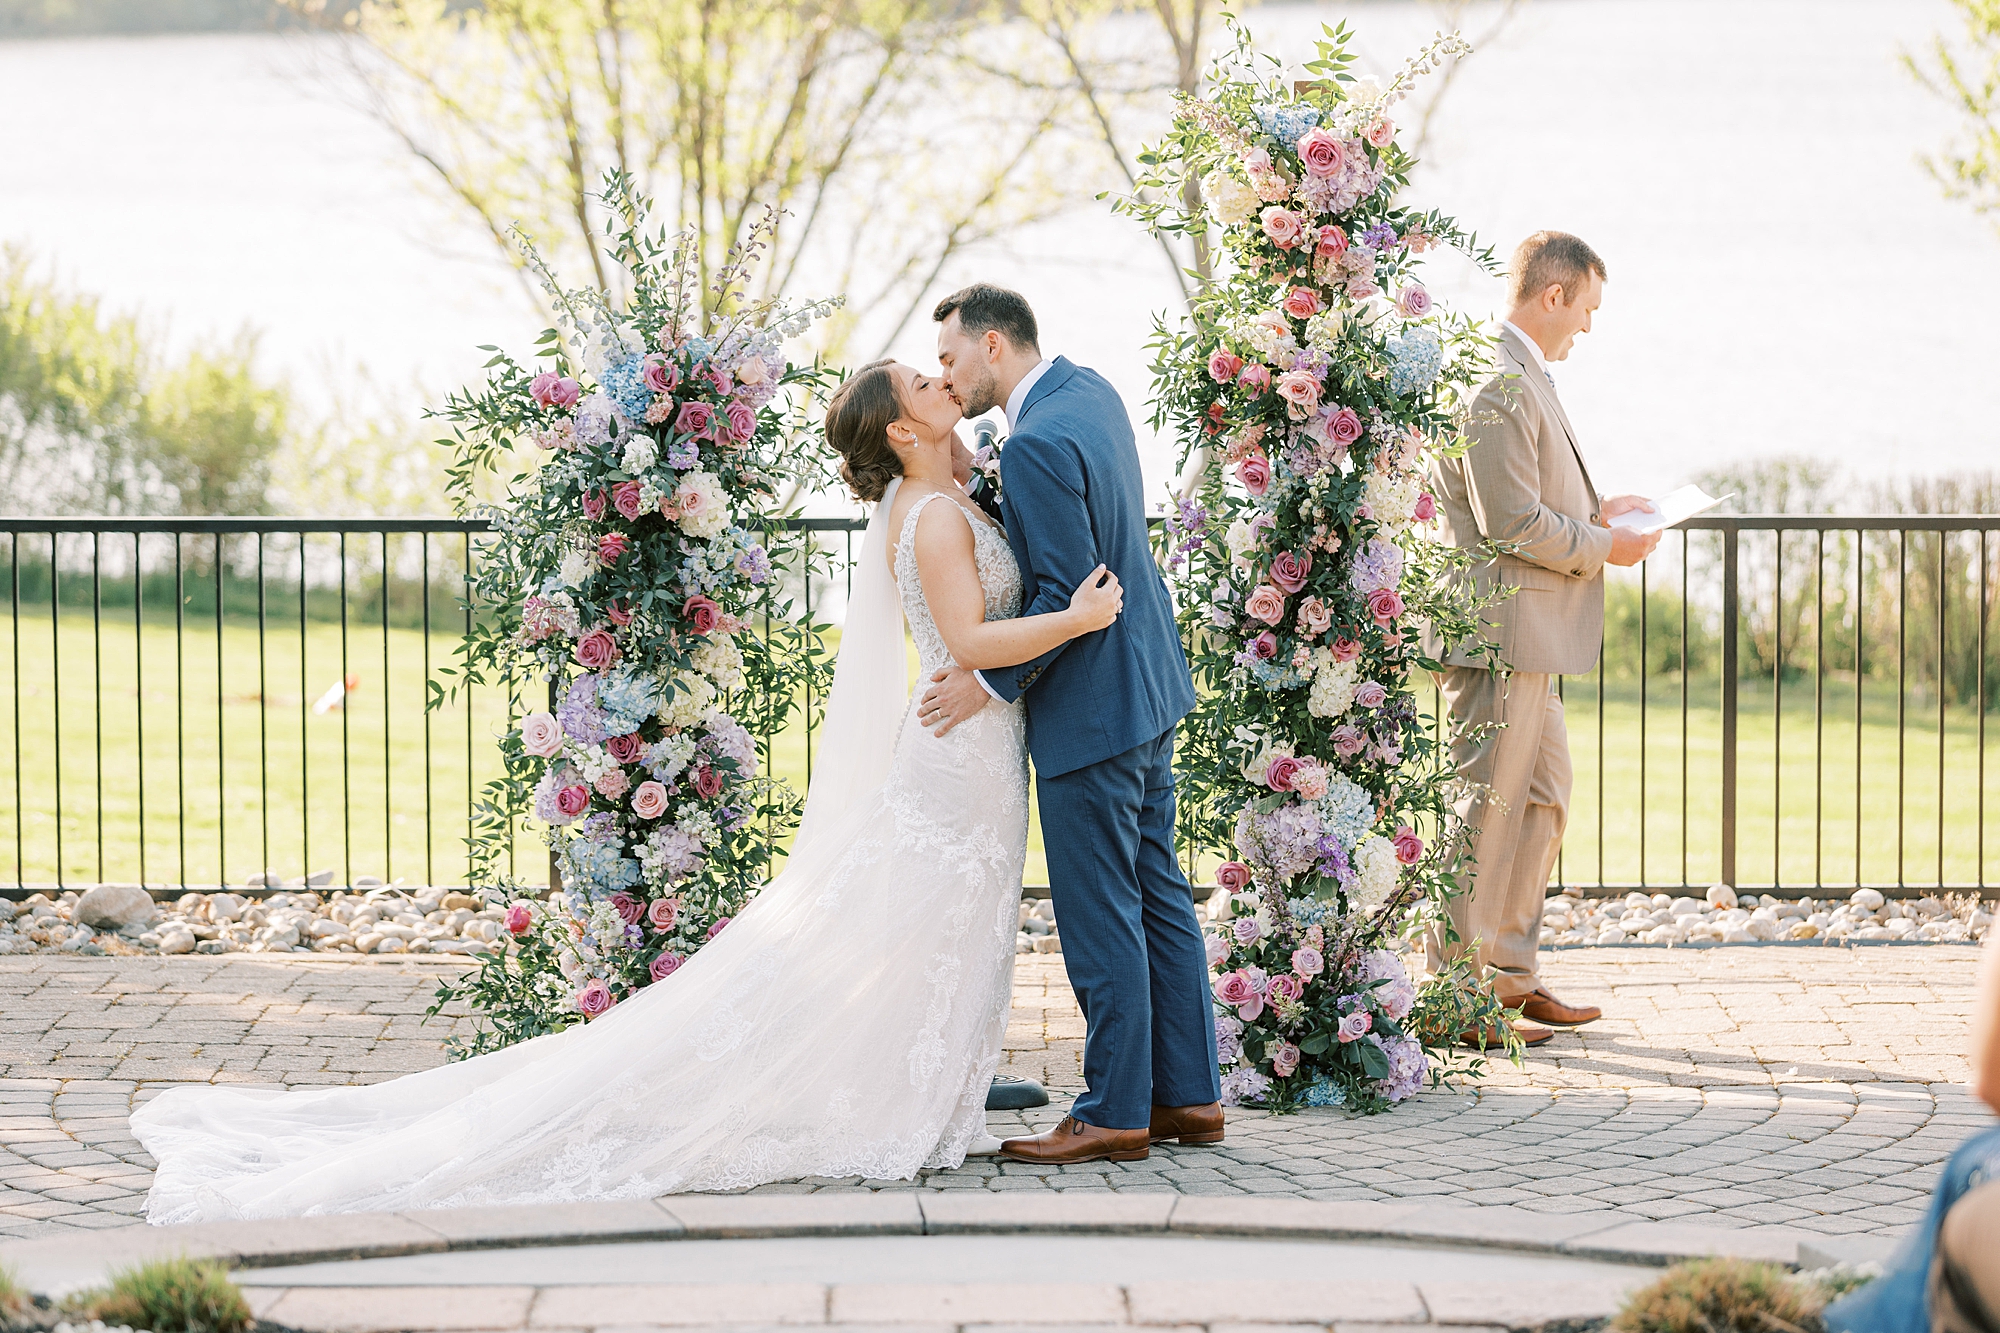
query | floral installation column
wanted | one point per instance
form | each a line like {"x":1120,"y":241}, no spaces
{"x":1313,"y":377}
{"x":629,"y":580}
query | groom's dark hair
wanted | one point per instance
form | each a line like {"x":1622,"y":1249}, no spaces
{"x":982,"y":306}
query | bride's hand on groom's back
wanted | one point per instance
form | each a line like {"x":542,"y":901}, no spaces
{"x":1096,"y":601}
{"x":955,"y":695}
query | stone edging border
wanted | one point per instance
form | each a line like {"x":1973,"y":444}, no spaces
{"x":57,"y":1265}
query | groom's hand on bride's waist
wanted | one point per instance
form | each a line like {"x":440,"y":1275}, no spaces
{"x":955,"y":695}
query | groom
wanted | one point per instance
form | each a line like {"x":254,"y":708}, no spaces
{"x":1101,"y":713}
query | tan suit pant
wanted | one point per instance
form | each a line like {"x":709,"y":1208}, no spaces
{"x":1515,"y":810}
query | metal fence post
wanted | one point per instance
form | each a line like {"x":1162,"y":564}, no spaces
{"x":1729,"y":618}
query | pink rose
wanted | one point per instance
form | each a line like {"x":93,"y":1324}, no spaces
{"x":1289,"y":571}
{"x":1308,"y":962}
{"x":611,"y":547}
{"x":1234,"y":988}
{"x":1355,"y":1026}
{"x":1256,"y":377}
{"x":613,"y":783}
{"x":1215,"y":949}
{"x":1279,"y":773}
{"x":1255,"y":474}
{"x":541,"y":735}
{"x":1314,"y":619}
{"x":1345,"y":427}
{"x":1256,"y":160}
{"x":719,"y":379}
{"x":1251,"y":1009}
{"x":1299,"y":388}
{"x":1264,"y":647}
{"x":1385,"y":605}
{"x":1302,"y":303}
{"x":629,"y":909}
{"x":1382,"y":133}
{"x":1321,"y":153}
{"x":1344,"y":650}
{"x":665,"y":966}
{"x":625,"y":748}
{"x":1286,"y":987}
{"x":695,"y":419}
{"x":1284,"y":1059}
{"x":742,"y":420}
{"x":663,"y":912}
{"x":625,"y":499}
{"x":1331,"y":243}
{"x":1425,"y":509}
{"x":596,"y":650}
{"x":1282,"y":226}
{"x":594,"y":999}
{"x":649,"y":800}
{"x":519,"y":917}
{"x":716,"y":929}
{"x":619,"y":612}
{"x":1246,"y":930}
{"x":553,"y":390}
{"x":1213,"y":424}
{"x":573,"y":800}
{"x":1232,"y":877}
{"x":1266,"y":604}
{"x":1409,"y":847}
{"x":707,"y":782}
{"x":1223,"y":365}
{"x":660,"y":374}
{"x":1348,"y":740}
{"x":593,"y":505}
{"x":701,"y":613}
{"x":1414,"y":301}
{"x":1370,"y":694}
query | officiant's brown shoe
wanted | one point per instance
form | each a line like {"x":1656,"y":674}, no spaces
{"x":1074,"y":1141}
{"x":1490,"y":1038}
{"x":1541,"y":1007}
{"x":1189,"y":1124}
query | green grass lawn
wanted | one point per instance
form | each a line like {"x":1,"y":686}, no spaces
{"x":277,"y":796}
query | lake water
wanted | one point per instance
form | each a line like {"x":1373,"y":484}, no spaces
{"x":1784,"y":276}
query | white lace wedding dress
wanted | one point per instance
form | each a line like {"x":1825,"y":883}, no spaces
{"x":847,"y":1023}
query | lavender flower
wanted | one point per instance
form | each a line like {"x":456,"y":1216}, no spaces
{"x":754,"y":564}
{"x":1407,"y":1068}
{"x":1379,"y":237}
{"x":1394,"y":996}
{"x":1283,"y":843}
{"x":1228,"y":1038}
{"x":582,"y":720}
{"x":593,"y":421}
{"x":683,"y":454}
{"x":1244,"y":1085}
{"x":1378,"y":564}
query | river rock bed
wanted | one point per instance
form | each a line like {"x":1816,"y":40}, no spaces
{"x":1722,"y":916}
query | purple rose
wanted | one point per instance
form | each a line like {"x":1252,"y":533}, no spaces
{"x":1370,"y":694}
{"x":1246,"y":930}
{"x":1355,"y":1026}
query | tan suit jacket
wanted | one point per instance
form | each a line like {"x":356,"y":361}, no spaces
{"x":1523,"y":486}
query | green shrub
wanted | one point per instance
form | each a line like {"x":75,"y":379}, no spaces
{"x":172,"y":1296}
{"x":13,"y":1296}
{"x":1723,"y":1296}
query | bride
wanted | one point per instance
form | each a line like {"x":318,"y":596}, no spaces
{"x":849,"y":1021}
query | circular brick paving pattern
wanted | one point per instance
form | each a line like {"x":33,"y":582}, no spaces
{"x":1815,"y":1088}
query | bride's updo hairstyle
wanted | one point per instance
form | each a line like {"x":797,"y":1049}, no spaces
{"x":857,"y":426}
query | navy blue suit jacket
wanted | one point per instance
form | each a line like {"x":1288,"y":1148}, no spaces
{"x":1072,"y":497}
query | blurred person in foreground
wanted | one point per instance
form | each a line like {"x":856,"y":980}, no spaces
{"x":1946,"y":1275}
{"x":1522,"y":497}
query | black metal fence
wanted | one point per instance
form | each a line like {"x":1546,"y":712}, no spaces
{"x":1786,"y":701}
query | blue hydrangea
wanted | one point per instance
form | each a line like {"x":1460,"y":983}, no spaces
{"x":626,"y":700}
{"x":1271,"y":676}
{"x":598,"y":868}
{"x":1308,"y":912}
{"x":700,"y":349}
{"x":625,"y":384}
{"x":1323,"y":1091}
{"x":1346,"y":811}
{"x":1288,"y":122}
{"x":1416,"y":358}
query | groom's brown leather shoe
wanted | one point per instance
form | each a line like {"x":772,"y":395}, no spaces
{"x":1541,"y":1007}
{"x":1189,"y":1124}
{"x":1074,"y":1141}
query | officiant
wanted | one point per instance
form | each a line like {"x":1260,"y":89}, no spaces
{"x":1521,"y":496}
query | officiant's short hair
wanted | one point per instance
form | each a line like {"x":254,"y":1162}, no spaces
{"x":983,"y":306}
{"x":1552,"y":257}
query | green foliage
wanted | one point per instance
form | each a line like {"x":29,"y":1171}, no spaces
{"x":1967,"y":78}
{"x":1723,"y":1295}
{"x":13,"y":1296}
{"x":172,"y":1296}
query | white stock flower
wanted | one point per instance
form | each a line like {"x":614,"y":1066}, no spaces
{"x":1323,"y":330}
{"x":576,"y":568}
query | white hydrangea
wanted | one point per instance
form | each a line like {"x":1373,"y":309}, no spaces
{"x":1376,"y":871}
{"x":720,"y":660}
{"x":1323,"y":330}
{"x":710,"y":516}
{"x":1391,"y":500}
{"x":576,"y":568}
{"x":1242,"y":539}
{"x":640,"y":454}
{"x":1333,"y":685}
{"x":689,"y":705}
{"x":1268,"y":333}
{"x":1231,"y":200}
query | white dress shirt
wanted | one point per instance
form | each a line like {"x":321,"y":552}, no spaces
{"x":1013,"y":409}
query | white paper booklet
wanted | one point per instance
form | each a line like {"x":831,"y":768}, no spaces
{"x":1668,"y":510}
